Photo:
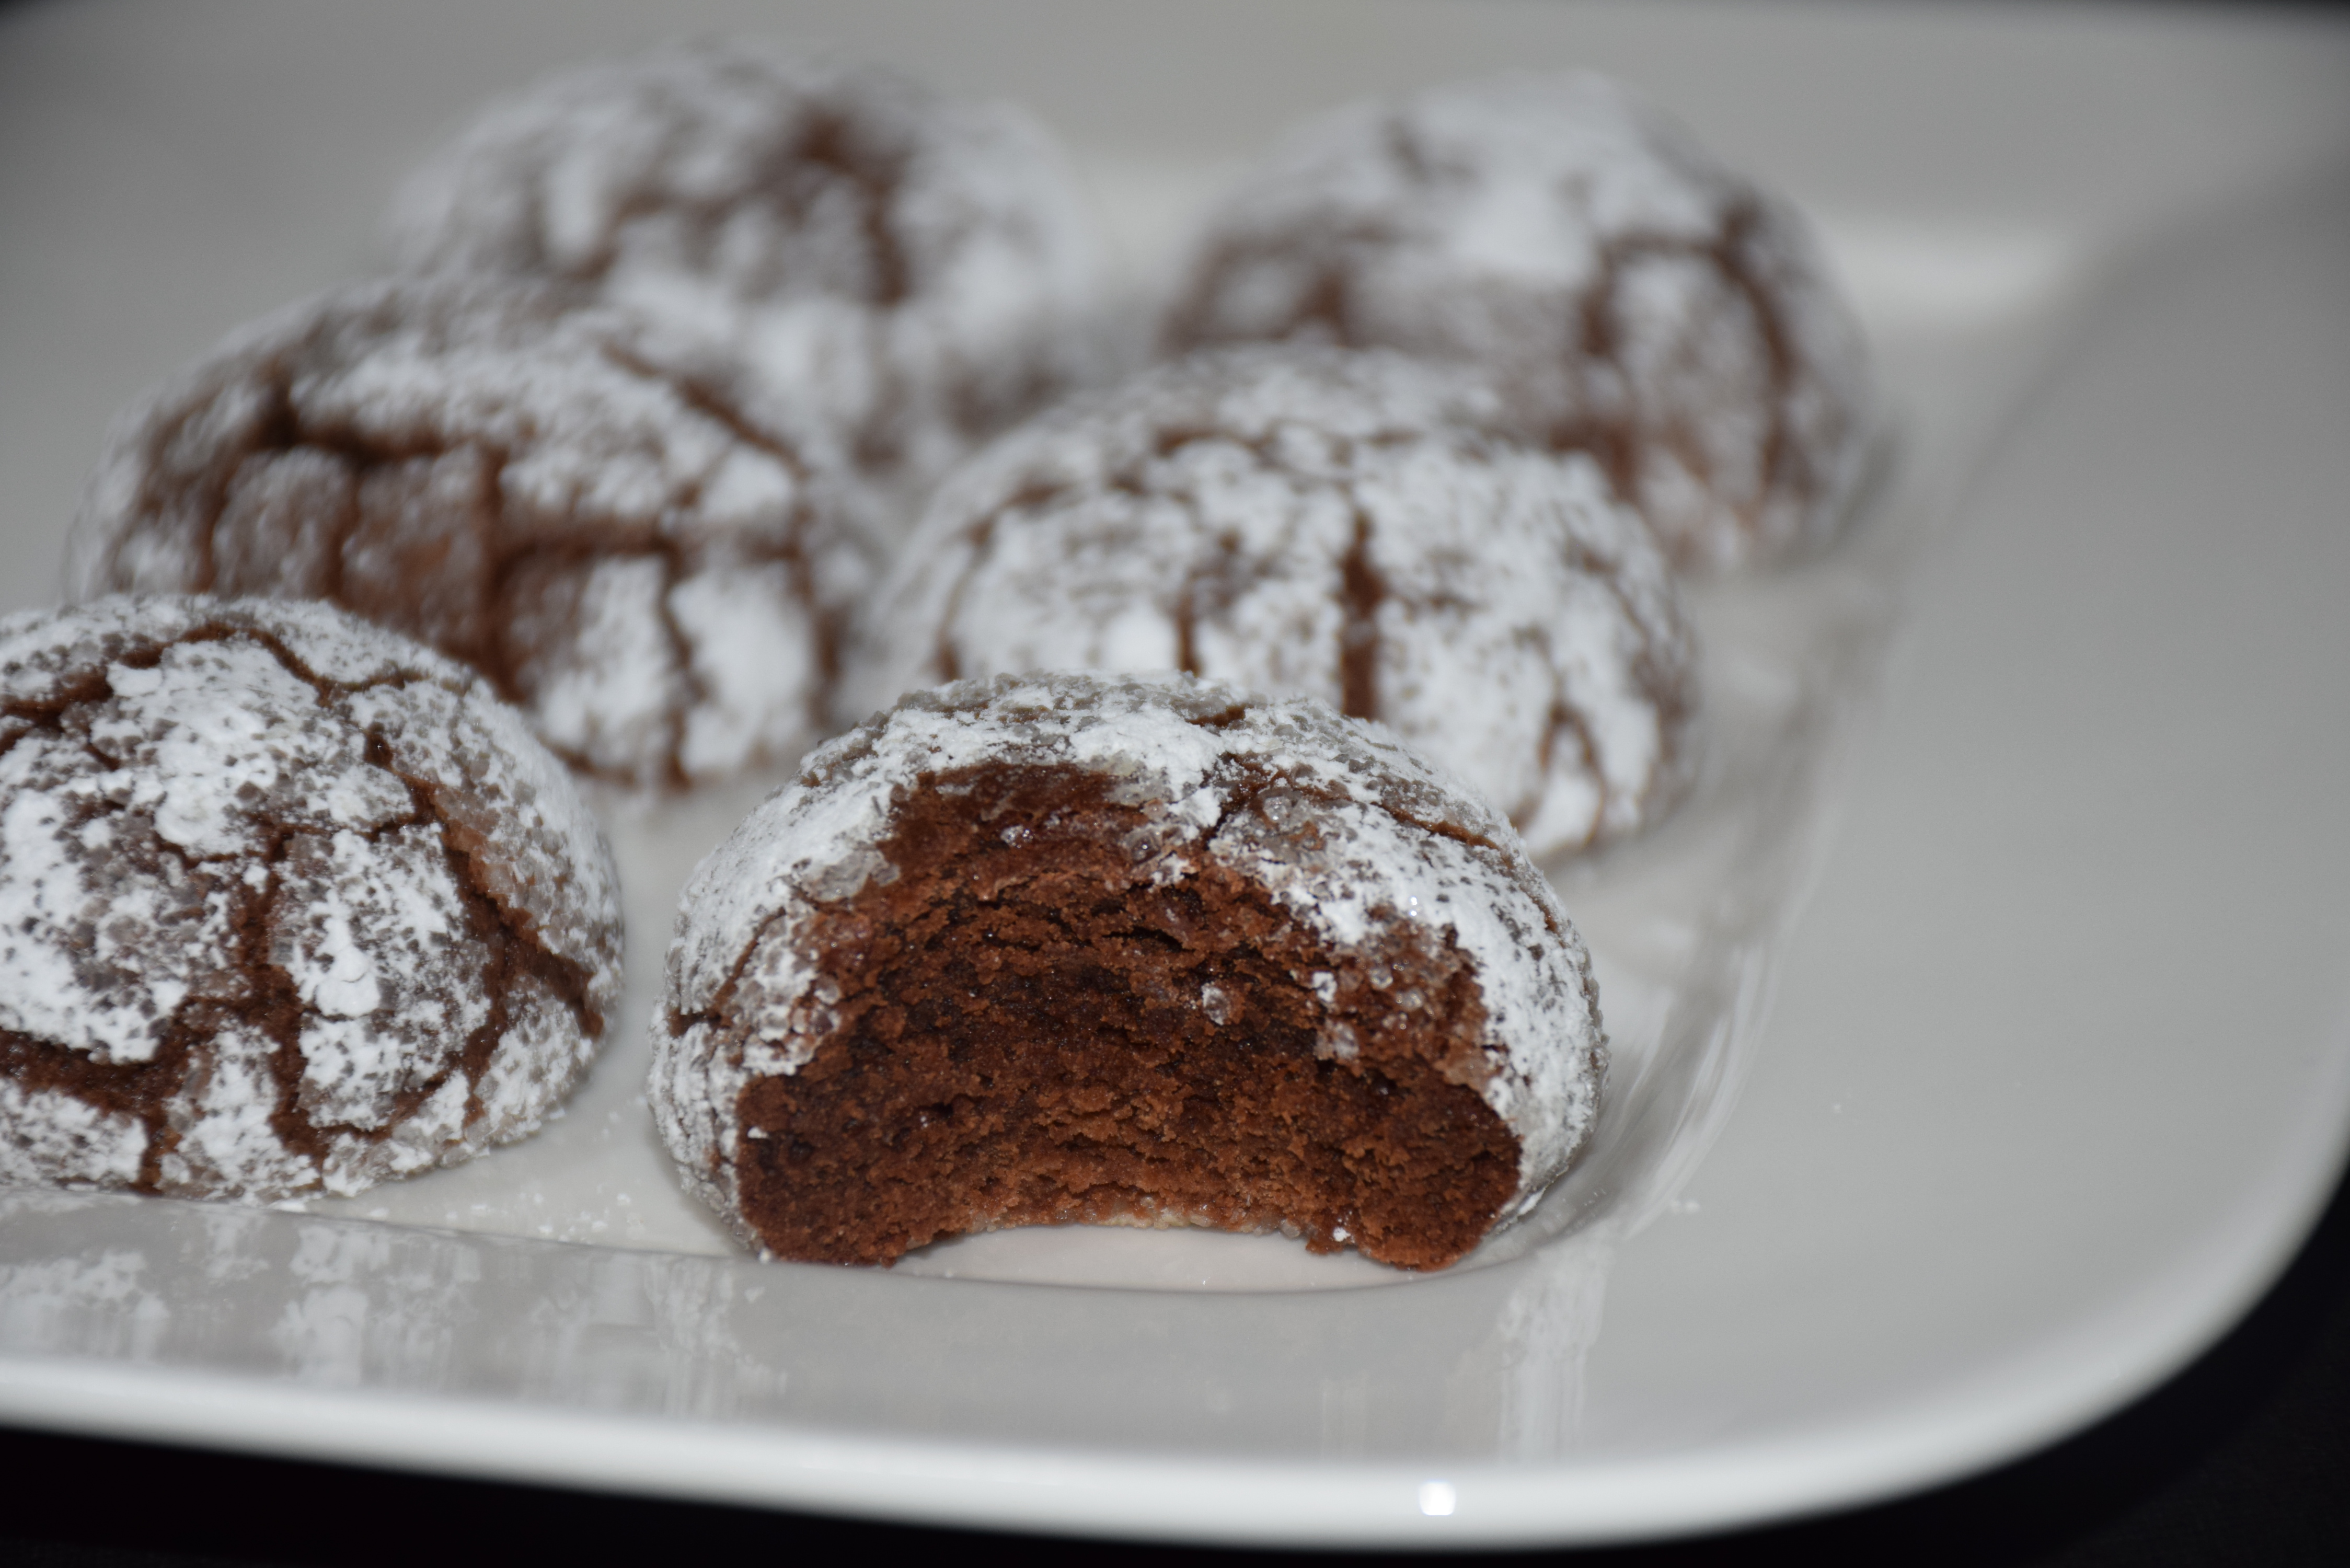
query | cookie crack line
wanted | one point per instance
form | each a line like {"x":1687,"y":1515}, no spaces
{"x":826,"y":140}
{"x":718,"y":1014}
{"x":791,"y":549}
{"x":1730,"y":255}
{"x":329,"y":691}
{"x":978,"y":536}
{"x":517,"y":925}
{"x":1725,"y":249}
{"x":1266,"y":779}
{"x":287,"y":434}
{"x":681,"y":652}
{"x":1361,"y":591}
{"x":1565,"y":718}
{"x":139,"y":1090}
{"x":279,"y":1002}
{"x":696,"y":395}
{"x":283,"y":432}
{"x":47,"y":717}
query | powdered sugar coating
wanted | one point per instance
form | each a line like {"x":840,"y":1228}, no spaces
{"x":1338,"y":524}
{"x":909,"y":272}
{"x":570,"y":501}
{"x":1635,"y":296}
{"x":1355,"y":836}
{"x":288,"y":904}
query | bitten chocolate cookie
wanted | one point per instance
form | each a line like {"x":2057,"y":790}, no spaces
{"x":907,"y":271}
{"x":1331,"y":524}
{"x":1065,"y":948}
{"x":1634,"y":297}
{"x":566,"y":499}
{"x":287,"y":905}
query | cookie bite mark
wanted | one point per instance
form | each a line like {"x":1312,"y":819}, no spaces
{"x":1030,"y":1034}
{"x":1251,"y":966}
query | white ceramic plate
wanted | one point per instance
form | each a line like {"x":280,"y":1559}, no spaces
{"x":2024,"y":805}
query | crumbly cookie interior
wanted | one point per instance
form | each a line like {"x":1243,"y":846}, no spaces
{"x":1029,"y":1029}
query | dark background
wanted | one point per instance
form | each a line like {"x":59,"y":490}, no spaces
{"x":2242,"y":1457}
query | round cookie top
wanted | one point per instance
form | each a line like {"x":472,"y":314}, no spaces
{"x":1358,"y":838}
{"x":570,"y":500}
{"x":1635,"y":297}
{"x":907,"y":270}
{"x":1336,"y":523}
{"x":288,"y":904}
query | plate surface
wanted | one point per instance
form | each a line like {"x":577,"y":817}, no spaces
{"x":2008,"y":917}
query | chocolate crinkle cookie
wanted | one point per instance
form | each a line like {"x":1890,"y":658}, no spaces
{"x":907,"y":270}
{"x":1339,"y":524}
{"x":566,"y":498}
{"x":288,"y":905}
{"x":1634,"y":297}
{"x":1067,"y":949}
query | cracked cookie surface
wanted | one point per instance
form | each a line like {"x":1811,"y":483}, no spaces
{"x":288,"y":905}
{"x":907,"y":271}
{"x":1635,"y":298}
{"x":574,"y":504}
{"x":1338,"y":524}
{"x":1060,"y":949}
